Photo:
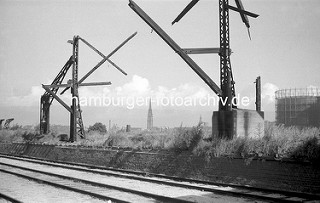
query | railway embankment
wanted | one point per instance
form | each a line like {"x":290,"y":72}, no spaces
{"x":261,"y":172}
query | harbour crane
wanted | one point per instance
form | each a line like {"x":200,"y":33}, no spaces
{"x":76,"y":122}
{"x":226,"y":91}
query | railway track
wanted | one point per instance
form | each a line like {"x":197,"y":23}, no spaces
{"x":109,"y":184}
{"x":6,"y":198}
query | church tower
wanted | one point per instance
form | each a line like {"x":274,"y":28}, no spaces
{"x":150,"y":117}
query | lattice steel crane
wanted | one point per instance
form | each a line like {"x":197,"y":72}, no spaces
{"x":76,"y":122}
{"x":226,"y":77}
{"x":226,"y":91}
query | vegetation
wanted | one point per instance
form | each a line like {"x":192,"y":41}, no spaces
{"x":278,"y":142}
{"x":98,"y":127}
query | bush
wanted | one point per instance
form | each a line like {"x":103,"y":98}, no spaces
{"x":30,"y":137}
{"x":153,"y":140}
{"x":15,"y":127}
{"x":309,"y":150}
{"x":278,"y":141}
{"x":187,"y":139}
{"x":119,"y":139}
{"x":98,"y":127}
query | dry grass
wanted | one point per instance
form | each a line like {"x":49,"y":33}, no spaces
{"x":278,"y":141}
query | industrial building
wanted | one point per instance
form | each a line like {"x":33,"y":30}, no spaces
{"x":298,"y":107}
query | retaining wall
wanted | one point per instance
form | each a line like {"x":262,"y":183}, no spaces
{"x":285,"y":175}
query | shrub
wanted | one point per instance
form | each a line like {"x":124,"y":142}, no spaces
{"x":15,"y":127}
{"x":37,"y":128}
{"x":11,"y":135}
{"x":278,"y":141}
{"x":98,"y":127}
{"x":187,"y":139}
{"x":309,"y":150}
{"x":151,"y":140}
{"x":30,"y":137}
{"x":119,"y":139}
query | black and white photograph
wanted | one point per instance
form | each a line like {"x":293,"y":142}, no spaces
{"x":207,"y":101}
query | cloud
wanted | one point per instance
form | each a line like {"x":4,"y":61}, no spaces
{"x":183,"y":90}
{"x":29,"y":100}
{"x":268,"y":92}
{"x":137,"y":87}
{"x":32,"y":99}
{"x":140,"y":87}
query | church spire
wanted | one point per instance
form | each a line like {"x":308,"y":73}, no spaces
{"x":150,"y":117}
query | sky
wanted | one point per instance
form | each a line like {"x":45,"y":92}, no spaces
{"x":284,"y":51}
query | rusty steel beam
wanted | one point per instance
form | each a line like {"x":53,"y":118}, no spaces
{"x":57,"y":98}
{"x":106,"y":58}
{"x":205,"y":51}
{"x":201,"y":50}
{"x":242,"y":11}
{"x":185,"y":11}
{"x":102,"y":55}
{"x":258,"y":93}
{"x":82,"y":84}
{"x":175,"y":47}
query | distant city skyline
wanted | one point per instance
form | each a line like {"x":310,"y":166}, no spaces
{"x":283,"y":51}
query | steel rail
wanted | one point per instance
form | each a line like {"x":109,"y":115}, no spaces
{"x":8,"y":198}
{"x":175,"y":178}
{"x":248,"y":189}
{"x":140,"y":193}
{"x":63,"y":186}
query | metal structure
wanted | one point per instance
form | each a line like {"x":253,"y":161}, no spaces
{"x":7,"y":123}
{"x":224,"y":51}
{"x":1,"y":121}
{"x":299,"y":107}
{"x":76,"y":122}
{"x":226,"y":90}
{"x":258,"y":93}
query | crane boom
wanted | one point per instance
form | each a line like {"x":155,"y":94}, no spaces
{"x":47,"y":98}
{"x":185,"y":11}
{"x":175,"y":47}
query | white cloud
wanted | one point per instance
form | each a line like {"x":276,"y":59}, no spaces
{"x":32,"y":99}
{"x":136,"y":87}
{"x":139,"y":86}
{"x":184,"y":90}
{"x":268,"y":92}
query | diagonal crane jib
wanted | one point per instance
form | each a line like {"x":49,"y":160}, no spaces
{"x":175,"y":47}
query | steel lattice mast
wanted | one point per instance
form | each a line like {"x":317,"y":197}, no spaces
{"x":226,"y":92}
{"x":76,"y":123}
{"x":226,"y":78}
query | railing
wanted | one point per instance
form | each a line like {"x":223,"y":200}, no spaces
{"x":301,"y":92}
